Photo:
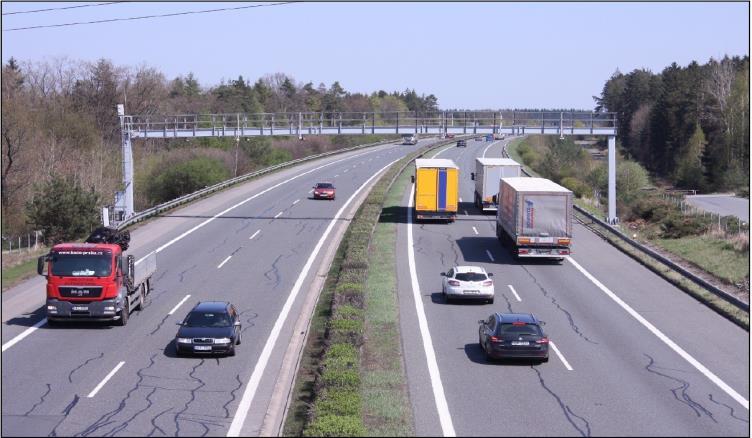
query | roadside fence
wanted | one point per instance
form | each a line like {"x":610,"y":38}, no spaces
{"x":24,"y":242}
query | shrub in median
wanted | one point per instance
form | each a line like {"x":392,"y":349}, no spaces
{"x":339,"y":402}
{"x":335,"y":425}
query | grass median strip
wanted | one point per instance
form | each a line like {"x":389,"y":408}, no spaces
{"x":351,"y":379}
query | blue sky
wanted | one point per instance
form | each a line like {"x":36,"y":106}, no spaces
{"x":470,"y":55}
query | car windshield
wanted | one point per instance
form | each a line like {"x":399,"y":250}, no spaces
{"x":324,"y":186}
{"x":470,"y":276}
{"x":82,"y":263}
{"x":520,"y":329}
{"x":207,"y":319}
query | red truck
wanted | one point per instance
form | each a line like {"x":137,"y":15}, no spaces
{"x":96,"y":280}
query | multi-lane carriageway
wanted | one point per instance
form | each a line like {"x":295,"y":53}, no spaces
{"x":631,"y":355}
{"x":256,"y":245}
{"x":261,"y":244}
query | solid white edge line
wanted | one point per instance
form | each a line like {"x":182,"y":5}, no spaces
{"x":447,"y":427}
{"x":24,"y":334}
{"x":515,"y":293}
{"x":278,"y":215}
{"x":250,"y":390}
{"x":488,"y":253}
{"x":680,"y":351}
{"x":254,"y":234}
{"x":475,"y":230}
{"x":268,"y":189}
{"x":224,"y":261}
{"x":106,"y":378}
{"x":561,"y":356}
{"x":179,"y":304}
{"x":31,"y":329}
{"x":437,"y":153}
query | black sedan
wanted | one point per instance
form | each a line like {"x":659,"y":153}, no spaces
{"x":461,"y":144}
{"x":210,"y":327}
{"x":513,"y":335}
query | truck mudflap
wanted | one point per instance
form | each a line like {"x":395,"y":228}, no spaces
{"x":104,"y":310}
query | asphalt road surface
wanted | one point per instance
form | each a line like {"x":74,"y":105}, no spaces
{"x":92,"y":379}
{"x":633,"y":355}
{"x":724,"y":205}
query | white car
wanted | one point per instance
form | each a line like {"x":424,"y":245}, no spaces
{"x":467,"y":282}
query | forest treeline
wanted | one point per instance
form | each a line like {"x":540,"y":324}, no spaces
{"x":59,"y":125}
{"x":687,"y":125}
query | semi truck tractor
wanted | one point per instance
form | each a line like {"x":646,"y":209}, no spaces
{"x":534,"y":218}
{"x":437,"y":189}
{"x":487,"y":175}
{"x":96,"y":280}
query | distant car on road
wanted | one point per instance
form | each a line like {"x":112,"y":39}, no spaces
{"x":210,"y":327}
{"x":410,"y":139}
{"x":450,"y":136}
{"x":324,"y":190}
{"x":513,"y":335}
{"x":461,"y":144}
{"x":467,"y":282}
{"x":478,"y":138}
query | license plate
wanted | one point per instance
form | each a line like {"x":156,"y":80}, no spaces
{"x":520,"y":343}
{"x":80,"y":308}
{"x":202,"y":347}
{"x":546,"y":239}
{"x":544,"y":251}
{"x":472,"y":292}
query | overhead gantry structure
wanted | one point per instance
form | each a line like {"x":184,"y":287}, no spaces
{"x":237,"y":125}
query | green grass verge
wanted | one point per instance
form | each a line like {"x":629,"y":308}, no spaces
{"x":713,"y":255}
{"x":329,"y":374}
{"x":15,"y":274}
{"x":733,"y":313}
{"x":386,"y":405}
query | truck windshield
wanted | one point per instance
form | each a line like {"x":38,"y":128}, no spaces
{"x":85,"y":263}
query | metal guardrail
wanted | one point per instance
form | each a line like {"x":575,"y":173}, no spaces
{"x":138,"y":217}
{"x":697,"y":280}
{"x":637,"y":245}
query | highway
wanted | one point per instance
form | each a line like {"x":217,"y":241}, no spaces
{"x":722,"y":204}
{"x":633,"y":355}
{"x":256,"y":245}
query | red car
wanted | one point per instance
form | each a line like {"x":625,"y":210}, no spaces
{"x":450,"y":136}
{"x":324,"y":191}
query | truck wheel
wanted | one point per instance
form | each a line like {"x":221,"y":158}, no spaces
{"x":141,"y":298}
{"x":124,"y":314}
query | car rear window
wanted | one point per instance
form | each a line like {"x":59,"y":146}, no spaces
{"x":470,"y":276}
{"x":324,"y":186}
{"x":520,"y":329}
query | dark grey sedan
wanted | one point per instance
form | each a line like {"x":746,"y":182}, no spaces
{"x":513,"y":335}
{"x":210,"y":327}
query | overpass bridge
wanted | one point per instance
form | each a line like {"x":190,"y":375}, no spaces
{"x":236,"y":125}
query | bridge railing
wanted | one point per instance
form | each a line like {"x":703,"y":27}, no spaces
{"x":291,"y":123}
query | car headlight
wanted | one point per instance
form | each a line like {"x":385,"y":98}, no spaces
{"x":222,"y":341}
{"x":184,"y":340}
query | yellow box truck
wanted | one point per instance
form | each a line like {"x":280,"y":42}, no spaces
{"x":437,"y":189}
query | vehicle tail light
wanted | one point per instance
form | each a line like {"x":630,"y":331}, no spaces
{"x":522,"y":251}
{"x":563,"y":251}
{"x":542,"y":341}
{"x":521,"y":240}
{"x":496,"y":339}
{"x":518,"y":323}
{"x":564,"y":241}
{"x":453,"y":283}
{"x":488,"y":283}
